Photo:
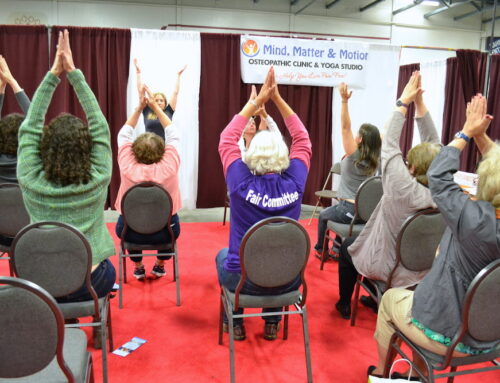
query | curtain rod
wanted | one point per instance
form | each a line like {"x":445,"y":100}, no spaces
{"x":430,"y":48}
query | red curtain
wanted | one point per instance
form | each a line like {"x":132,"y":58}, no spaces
{"x":454,"y":106}
{"x":405,"y":142}
{"x":494,"y":98}
{"x":222,"y":94}
{"x":103,"y":55}
{"x":471,"y":69}
{"x":26,"y":50}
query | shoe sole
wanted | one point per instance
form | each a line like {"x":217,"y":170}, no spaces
{"x":159,"y":275}
{"x":274,"y":336}
{"x":140,"y":277}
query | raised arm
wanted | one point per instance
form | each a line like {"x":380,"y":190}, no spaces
{"x":126,"y":133}
{"x":6,"y":77}
{"x":446,"y":193}
{"x":426,"y":128}
{"x":162,"y":117}
{"x":138,"y":78}
{"x":229,"y":150}
{"x":173,"y":98}
{"x":348,"y":141}
{"x":301,"y":144}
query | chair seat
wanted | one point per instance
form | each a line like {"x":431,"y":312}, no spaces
{"x":437,"y":360}
{"x":75,"y":355}
{"x":342,"y":229}
{"x":80,"y":309}
{"x":263,"y":301}
{"x":326,"y":194}
{"x":135,"y":246}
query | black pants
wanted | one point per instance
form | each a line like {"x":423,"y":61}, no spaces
{"x":347,"y":273}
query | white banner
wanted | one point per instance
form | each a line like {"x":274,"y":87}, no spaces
{"x":304,"y":62}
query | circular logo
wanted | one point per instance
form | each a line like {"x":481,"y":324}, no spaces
{"x":250,"y":48}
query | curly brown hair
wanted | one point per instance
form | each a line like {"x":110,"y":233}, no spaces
{"x":65,"y":150}
{"x":148,"y":148}
{"x":9,"y":128}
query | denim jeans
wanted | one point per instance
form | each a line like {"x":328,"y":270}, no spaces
{"x":231,"y":280}
{"x":343,"y":212}
{"x":102,"y":279}
{"x":142,"y":239}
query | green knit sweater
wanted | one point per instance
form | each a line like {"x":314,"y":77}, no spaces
{"x":81,"y":206}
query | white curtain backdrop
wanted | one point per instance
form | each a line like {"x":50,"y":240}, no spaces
{"x":374,"y":103}
{"x":161,"y":54}
{"x":433,"y":82}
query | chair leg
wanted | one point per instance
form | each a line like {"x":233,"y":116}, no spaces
{"x":285,"y":325}
{"x":225,"y":212}
{"x":104,"y":352}
{"x":354,"y":303}
{"x":110,"y":328}
{"x":231,"y":347}
{"x":452,"y":378}
{"x":120,"y":279}
{"x":177,"y":278}
{"x":11,"y":266}
{"x":306,"y":345}
{"x":221,"y":318}
{"x":314,"y":212}
{"x":91,"y":370}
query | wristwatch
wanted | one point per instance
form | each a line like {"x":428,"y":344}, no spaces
{"x":463,"y":136}
{"x":401,"y":103}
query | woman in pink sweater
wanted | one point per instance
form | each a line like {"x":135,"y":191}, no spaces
{"x":149,"y":158}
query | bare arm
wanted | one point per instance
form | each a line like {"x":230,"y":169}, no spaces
{"x":348,"y":141}
{"x":138,"y":78}
{"x":7,"y":78}
{"x":173,"y":98}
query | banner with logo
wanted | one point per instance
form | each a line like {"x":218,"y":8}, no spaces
{"x":304,"y":62}
{"x":493,"y":45}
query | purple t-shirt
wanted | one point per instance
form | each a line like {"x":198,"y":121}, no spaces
{"x":254,"y":198}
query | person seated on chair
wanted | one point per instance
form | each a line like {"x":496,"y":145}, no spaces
{"x":267,"y":174}
{"x":431,"y":315}
{"x":266,"y":123}
{"x":149,"y":158}
{"x":361,"y":160}
{"x":64,"y":168}
{"x":152,"y":121}
{"x":373,"y":252}
{"x":9,"y":125}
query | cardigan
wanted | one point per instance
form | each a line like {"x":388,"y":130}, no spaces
{"x":82,"y":205}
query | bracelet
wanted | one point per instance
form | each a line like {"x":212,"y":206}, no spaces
{"x":254,"y":103}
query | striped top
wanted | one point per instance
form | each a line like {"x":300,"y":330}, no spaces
{"x":81,"y":205}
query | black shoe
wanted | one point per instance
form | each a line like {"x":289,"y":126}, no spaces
{"x":345,"y":311}
{"x":370,"y":370}
{"x":369,"y":302}
{"x":239,"y":332}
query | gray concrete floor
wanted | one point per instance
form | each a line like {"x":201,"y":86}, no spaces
{"x":206,"y":215}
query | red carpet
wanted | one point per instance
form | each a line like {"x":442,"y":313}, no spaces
{"x":182,"y":341}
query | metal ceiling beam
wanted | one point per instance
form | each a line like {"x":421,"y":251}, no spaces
{"x":305,"y":6}
{"x":370,"y":5}
{"x":486,"y":21}
{"x":293,"y":2}
{"x":331,"y":4}
{"x":406,"y":7}
{"x":482,"y":10}
{"x":445,"y":8}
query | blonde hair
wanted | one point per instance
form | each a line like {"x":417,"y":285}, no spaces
{"x":488,"y":188}
{"x":421,"y":157}
{"x":152,"y":115}
{"x":267,"y":153}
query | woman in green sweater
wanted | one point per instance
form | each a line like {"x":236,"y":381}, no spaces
{"x":64,"y":168}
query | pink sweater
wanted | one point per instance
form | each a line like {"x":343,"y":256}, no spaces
{"x":163,"y":172}
{"x":229,"y":150}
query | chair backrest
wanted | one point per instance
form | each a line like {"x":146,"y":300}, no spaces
{"x":273,"y":252}
{"x":419,"y":238}
{"x":14,"y":215}
{"x":481,"y":311}
{"x":368,"y":196}
{"x":336,"y":168}
{"x":55,"y":256}
{"x":32,"y":329}
{"x":146,"y":208}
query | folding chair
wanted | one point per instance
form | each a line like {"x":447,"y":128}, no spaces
{"x":13,"y":218}
{"x":480,"y":320}
{"x":34,"y":344}
{"x":147,"y":209}
{"x":58,"y":257}
{"x":367,"y":198}
{"x":324,"y":192}
{"x":416,"y":245}
{"x":273,"y":252}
